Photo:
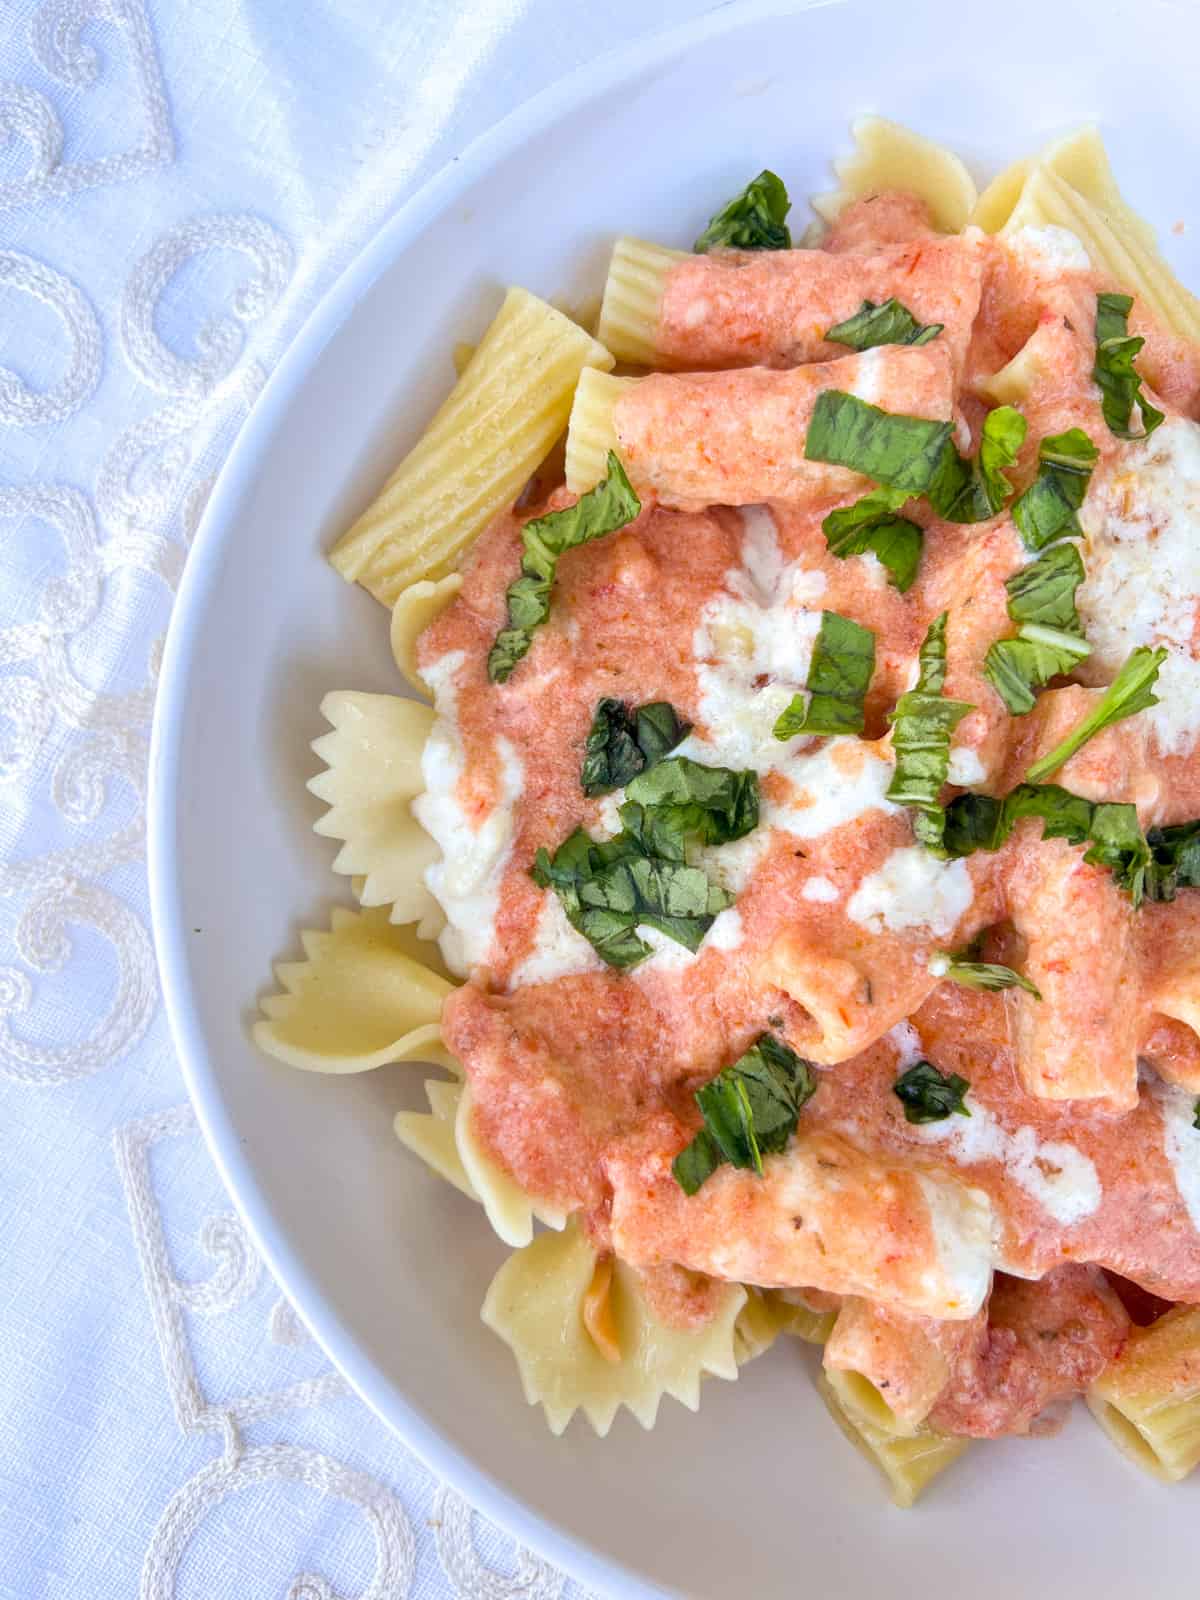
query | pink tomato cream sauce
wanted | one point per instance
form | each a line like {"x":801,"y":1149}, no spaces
{"x":584,"y":1077}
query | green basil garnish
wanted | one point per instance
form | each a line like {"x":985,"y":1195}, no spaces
{"x":923,"y":723}
{"x":604,"y":509}
{"x":839,"y":675}
{"x":871,"y":525}
{"x":987,"y":975}
{"x":1110,"y":829}
{"x":608,"y":887}
{"x":897,"y":451}
{"x":886,"y":323}
{"x":1114,"y":374}
{"x":928,"y":1095}
{"x":623,"y":743}
{"x":1047,"y":509}
{"x":973,"y":489}
{"x":1130,"y":691}
{"x":1049,"y":641}
{"x":1174,"y":860}
{"x":750,"y":1110}
{"x":753,"y":220}
{"x":916,"y":455}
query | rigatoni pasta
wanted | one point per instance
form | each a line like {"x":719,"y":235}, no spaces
{"x":1148,"y":1401}
{"x":811,"y":797}
{"x":506,"y":410}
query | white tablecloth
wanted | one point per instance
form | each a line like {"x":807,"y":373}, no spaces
{"x":178,"y":184}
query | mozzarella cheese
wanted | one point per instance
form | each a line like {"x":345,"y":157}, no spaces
{"x":466,"y":881}
{"x":1141,"y":518}
{"x":1062,"y":1180}
{"x":558,"y":951}
{"x":965,"y":767}
{"x":1053,"y":250}
{"x":913,"y":889}
{"x":1181,"y":1143}
{"x":761,"y":625}
{"x":834,"y":785}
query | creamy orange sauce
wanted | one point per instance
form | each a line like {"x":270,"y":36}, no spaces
{"x":584,"y":1080}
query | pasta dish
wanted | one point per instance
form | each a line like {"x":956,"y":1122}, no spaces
{"x":783,"y":840}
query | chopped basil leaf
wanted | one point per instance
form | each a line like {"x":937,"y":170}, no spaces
{"x":1017,"y":667}
{"x":887,"y":323}
{"x":1114,"y":374}
{"x":608,"y":887}
{"x":897,"y":451}
{"x":1130,"y":691}
{"x":678,"y":801}
{"x":1046,"y":511}
{"x":604,"y":509}
{"x":972,"y":823}
{"x":697,"y":1162}
{"x":928,"y":1095}
{"x":1110,"y":829}
{"x":1196,"y":1115}
{"x":1041,"y":597}
{"x":1044,"y":591}
{"x":750,"y":1110}
{"x":1174,"y":860}
{"x":753,"y":220}
{"x":839,"y":675}
{"x":966,"y":489}
{"x":922,"y":724}
{"x":916,"y":455}
{"x":622,"y":743}
{"x":659,"y":730}
{"x":871,"y":525}
{"x":987,"y":975}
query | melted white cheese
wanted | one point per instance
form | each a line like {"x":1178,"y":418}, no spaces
{"x":965,"y":767}
{"x":727,"y":931}
{"x":1142,"y":554}
{"x":819,"y":890}
{"x":1062,"y":1180}
{"x":760,"y":626}
{"x":834,"y":785}
{"x":1181,"y":1144}
{"x":668,"y":954}
{"x":906,"y":1042}
{"x":466,"y":881}
{"x":558,"y":951}
{"x":913,"y":889}
{"x":1054,"y":250}
{"x":868,"y":379}
{"x":961,"y":1219}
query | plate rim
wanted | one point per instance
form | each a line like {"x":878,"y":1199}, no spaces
{"x":486,"y":1493}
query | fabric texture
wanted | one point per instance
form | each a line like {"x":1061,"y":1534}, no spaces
{"x":178,"y":186}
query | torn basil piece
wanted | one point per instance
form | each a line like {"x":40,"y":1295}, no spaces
{"x":886,"y":323}
{"x":750,"y":1110}
{"x":871,"y":526}
{"x":623,"y":743}
{"x":602,"y":510}
{"x":755,"y":219}
{"x":1114,"y":374}
{"x":928,"y":1095}
{"x":1131,"y":691}
{"x":839,"y":675}
{"x":1047,"y":509}
{"x":923,"y":724}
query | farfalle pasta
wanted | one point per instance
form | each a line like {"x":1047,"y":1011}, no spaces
{"x":808,"y":813}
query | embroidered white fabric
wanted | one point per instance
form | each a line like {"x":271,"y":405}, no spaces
{"x":178,"y":184}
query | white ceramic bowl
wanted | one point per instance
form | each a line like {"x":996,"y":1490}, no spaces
{"x":758,"y":1494}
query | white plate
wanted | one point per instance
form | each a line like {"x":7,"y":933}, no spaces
{"x":758,"y":1494}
